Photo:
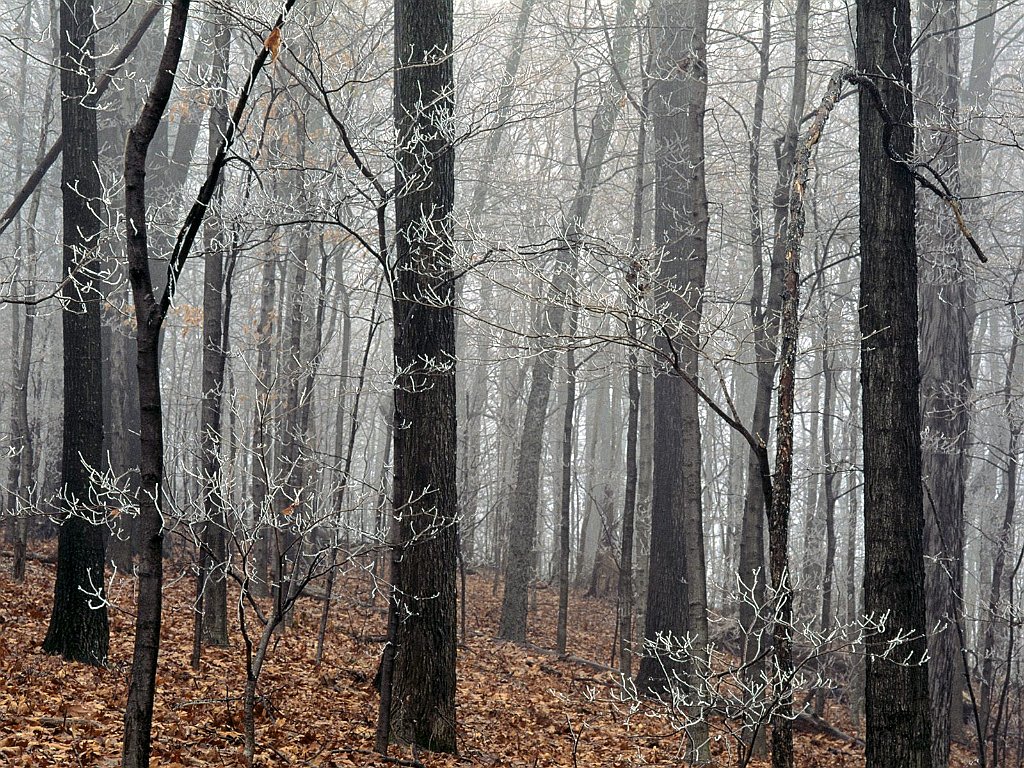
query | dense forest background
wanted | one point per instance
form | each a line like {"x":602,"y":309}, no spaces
{"x":707,"y":314}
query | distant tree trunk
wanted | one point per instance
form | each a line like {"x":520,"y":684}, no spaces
{"x":423,"y":605}
{"x":259,"y":557}
{"x":150,"y":312}
{"x":523,"y":502}
{"x":765,"y":315}
{"x":20,"y":469}
{"x":214,"y":553}
{"x":635,"y":295}
{"x":677,"y":592}
{"x":831,"y":487}
{"x":292,"y":495}
{"x":1000,"y":583}
{"x":476,"y":398}
{"x":898,"y":716}
{"x":347,"y":449}
{"x":79,"y":629}
{"x":565,"y":502}
{"x":945,"y":368}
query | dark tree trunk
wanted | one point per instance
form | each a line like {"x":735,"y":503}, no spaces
{"x":945,"y":369}
{"x":78,"y":628}
{"x":150,"y":312}
{"x":212,"y":582}
{"x":898,"y":717}
{"x":422,"y":695}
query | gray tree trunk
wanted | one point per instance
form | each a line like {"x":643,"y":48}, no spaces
{"x":523,"y":502}
{"x":214,"y":555}
{"x":946,"y":386}
{"x":677,"y":590}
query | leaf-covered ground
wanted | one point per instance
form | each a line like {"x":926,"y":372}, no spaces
{"x":517,"y":707}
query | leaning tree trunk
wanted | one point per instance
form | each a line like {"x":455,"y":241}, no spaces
{"x":898,"y":717}
{"x":779,"y":511}
{"x":423,"y":605}
{"x":79,"y":631}
{"x":523,"y":503}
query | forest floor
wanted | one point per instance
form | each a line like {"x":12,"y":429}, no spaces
{"x":517,"y":707}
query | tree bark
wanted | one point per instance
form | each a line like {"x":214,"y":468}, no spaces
{"x":898,"y":717}
{"x":79,"y":629}
{"x":422,"y":705}
{"x":946,"y":385}
{"x":677,"y":590}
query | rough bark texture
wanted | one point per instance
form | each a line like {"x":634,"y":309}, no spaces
{"x":898,"y":718}
{"x":422,"y":706}
{"x":677,"y":591}
{"x":78,"y":628}
{"x":945,"y":368}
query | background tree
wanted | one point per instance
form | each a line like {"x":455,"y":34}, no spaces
{"x":677,"y":594}
{"x":945,"y":367}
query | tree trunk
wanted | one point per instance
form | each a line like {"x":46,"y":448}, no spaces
{"x":214,"y":554}
{"x":79,"y":629}
{"x":898,"y":717}
{"x":258,"y":555}
{"x":635,"y":296}
{"x":523,"y":502}
{"x":765,"y":315}
{"x":1003,"y":537}
{"x":565,"y":502}
{"x":422,"y":705}
{"x":149,"y":313}
{"x":779,"y":512}
{"x":945,"y":369}
{"x":677,"y":592}
{"x":831,"y":487}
